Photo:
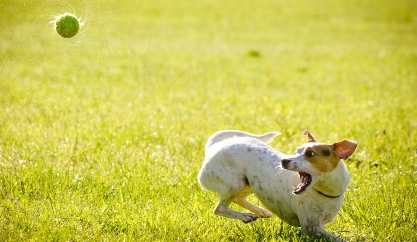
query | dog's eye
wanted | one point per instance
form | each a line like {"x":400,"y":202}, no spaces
{"x":310,"y":153}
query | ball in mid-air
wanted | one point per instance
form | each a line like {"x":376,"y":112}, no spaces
{"x":67,"y":25}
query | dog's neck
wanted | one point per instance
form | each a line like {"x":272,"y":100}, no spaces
{"x":333,"y":184}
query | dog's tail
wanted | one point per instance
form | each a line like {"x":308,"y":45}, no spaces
{"x":227,"y":134}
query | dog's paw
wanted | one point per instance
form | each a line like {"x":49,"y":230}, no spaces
{"x":248,"y":217}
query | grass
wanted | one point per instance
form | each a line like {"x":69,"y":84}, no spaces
{"x":102,"y":135}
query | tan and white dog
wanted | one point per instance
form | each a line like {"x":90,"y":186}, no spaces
{"x":305,"y":189}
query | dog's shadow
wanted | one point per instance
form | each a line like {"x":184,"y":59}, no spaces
{"x":264,"y":230}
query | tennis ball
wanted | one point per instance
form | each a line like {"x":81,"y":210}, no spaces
{"x":67,"y":25}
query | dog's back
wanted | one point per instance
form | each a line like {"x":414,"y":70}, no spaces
{"x":227,"y":134}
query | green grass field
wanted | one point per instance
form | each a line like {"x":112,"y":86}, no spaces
{"x":102,"y":135}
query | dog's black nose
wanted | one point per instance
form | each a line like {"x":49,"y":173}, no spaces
{"x":285,"y":162}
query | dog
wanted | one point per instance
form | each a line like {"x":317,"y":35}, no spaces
{"x":305,"y":190}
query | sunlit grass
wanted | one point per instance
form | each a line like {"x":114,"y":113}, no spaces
{"x":102,"y":135}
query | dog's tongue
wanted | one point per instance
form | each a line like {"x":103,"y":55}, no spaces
{"x":305,"y":180}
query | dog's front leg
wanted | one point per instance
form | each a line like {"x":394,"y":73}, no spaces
{"x":319,"y":231}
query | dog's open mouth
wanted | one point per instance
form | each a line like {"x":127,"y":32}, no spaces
{"x":305,"y":180}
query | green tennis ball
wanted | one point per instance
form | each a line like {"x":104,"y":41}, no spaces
{"x":67,"y":25}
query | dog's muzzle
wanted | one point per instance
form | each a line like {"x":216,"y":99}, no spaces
{"x":305,"y":178}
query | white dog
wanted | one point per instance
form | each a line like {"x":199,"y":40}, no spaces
{"x":305,"y":189}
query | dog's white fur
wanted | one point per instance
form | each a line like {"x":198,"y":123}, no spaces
{"x":238,"y":164}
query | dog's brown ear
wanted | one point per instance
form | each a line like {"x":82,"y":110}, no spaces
{"x":310,"y":136}
{"x":345,"y":148}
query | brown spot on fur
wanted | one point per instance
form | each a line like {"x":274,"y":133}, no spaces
{"x":325,"y":158}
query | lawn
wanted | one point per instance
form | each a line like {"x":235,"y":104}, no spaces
{"x":102,"y":135}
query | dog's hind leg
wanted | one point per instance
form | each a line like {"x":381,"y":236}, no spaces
{"x":224,"y":210}
{"x":241,"y":201}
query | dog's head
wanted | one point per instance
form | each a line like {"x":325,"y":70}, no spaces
{"x":314,"y":158}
